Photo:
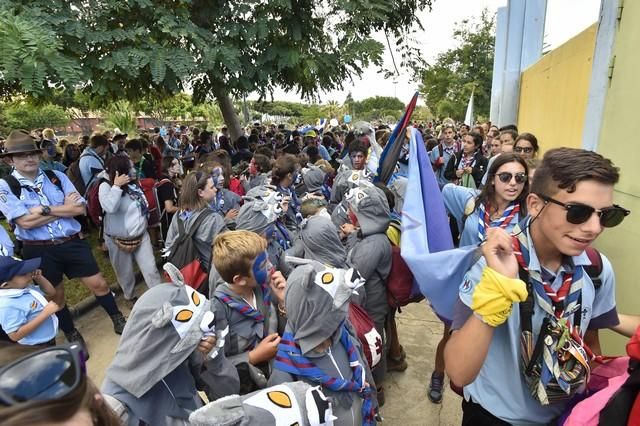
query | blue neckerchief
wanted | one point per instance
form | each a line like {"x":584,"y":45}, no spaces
{"x":291,"y":360}
{"x":281,"y":235}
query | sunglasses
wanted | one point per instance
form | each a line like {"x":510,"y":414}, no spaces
{"x":520,"y":149}
{"x":48,"y":374}
{"x":505,"y":177}
{"x":580,"y":213}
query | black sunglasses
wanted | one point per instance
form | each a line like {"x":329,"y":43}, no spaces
{"x":580,"y":213}
{"x":505,"y":177}
{"x":48,"y":374}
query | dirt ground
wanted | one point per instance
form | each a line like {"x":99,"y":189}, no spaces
{"x":406,"y":396}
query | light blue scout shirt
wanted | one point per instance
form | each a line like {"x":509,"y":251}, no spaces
{"x":6,"y":245}
{"x":90,"y":163}
{"x":459,"y":201}
{"x":500,"y":386}
{"x":13,"y":207}
{"x":446,"y":155}
{"x":18,"y":307}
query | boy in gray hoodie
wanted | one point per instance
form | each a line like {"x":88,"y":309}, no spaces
{"x":369,"y":251}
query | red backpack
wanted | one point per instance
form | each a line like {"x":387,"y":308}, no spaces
{"x":94,"y":208}
{"x":401,"y":287}
{"x":148,"y":186}
{"x":367,"y":334}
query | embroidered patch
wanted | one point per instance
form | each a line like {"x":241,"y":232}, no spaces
{"x":466,"y":286}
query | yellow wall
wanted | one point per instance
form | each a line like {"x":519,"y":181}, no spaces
{"x":554,"y":90}
{"x":619,"y":141}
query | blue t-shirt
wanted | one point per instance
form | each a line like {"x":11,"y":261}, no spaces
{"x":500,"y":386}
{"x":18,"y":307}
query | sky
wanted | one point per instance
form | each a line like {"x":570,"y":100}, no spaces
{"x":565,"y":18}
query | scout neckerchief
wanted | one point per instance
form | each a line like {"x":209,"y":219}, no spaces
{"x":484,"y":218}
{"x":467,"y":160}
{"x":244,"y":309}
{"x":557,"y":365}
{"x":36,"y":187}
{"x":137,"y":195}
{"x":291,"y":360}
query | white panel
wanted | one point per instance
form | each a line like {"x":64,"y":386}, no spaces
{"x":499,"y":58}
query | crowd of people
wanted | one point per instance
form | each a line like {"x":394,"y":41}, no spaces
{"x":277,"y":248}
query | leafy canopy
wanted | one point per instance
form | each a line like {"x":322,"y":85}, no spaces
{"x":448,"y":82}
{"x":126,"y":49}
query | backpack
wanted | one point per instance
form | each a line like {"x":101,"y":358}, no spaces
{"x":94,"y":208}
{"x":365,"y":329}
{"x":75,"y":175}
{"x":401,"y":287}
{"x":183,"y":254}
{"x":148,"y":186}
{"x":16,"y":188}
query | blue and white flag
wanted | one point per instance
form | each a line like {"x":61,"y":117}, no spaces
{"x":426,"y":243}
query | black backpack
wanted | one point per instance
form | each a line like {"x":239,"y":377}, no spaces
{"x":184,"y":254}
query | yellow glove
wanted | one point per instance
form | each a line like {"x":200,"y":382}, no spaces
{"x":494,"y":296}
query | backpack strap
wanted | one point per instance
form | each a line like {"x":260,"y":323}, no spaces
{"x":183,"y":234}
{"x":14,"y":185}
{"x":54,"y":179}
{"x":16,"y":188}
{"x":595,"y":269}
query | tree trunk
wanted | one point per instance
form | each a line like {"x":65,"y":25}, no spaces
{"x":229,"y":114}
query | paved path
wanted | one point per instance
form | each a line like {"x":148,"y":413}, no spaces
{"x":407,"y":403}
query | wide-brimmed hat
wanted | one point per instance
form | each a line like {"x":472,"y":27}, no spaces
{"x":19,"y":141}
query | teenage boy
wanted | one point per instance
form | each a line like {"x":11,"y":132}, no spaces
{"x":570,"y":204}
{"x":42,"y":206}
{"x":143,"y":165}
{"x":244,"y":301}
{"x":441,"y":154}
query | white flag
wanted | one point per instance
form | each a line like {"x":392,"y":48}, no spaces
{"x":468,"y":118}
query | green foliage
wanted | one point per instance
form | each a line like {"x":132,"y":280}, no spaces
{"x":130,"y":49}
{"x":120,"y":115}
{"x":25,"y":115}
{"x":447,"y":84}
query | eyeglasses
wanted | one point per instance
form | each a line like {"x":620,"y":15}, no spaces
{"x":49,"y":374}
{"x":520,"y":149}
{"x":505,"y":177}
{"x":580,"y":213}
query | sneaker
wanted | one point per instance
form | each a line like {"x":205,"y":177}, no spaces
{"x":118,"y":322}
{"x":396,"y":364}
{"x":435,"y":388}
{"x":75,"y":336}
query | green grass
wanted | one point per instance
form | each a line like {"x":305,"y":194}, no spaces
{"x":74,"y":290}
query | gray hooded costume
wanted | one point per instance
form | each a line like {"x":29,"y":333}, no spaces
{"x":316,"y":309}
{"x":287,"y":404}
{"x":151,"y":371}
{"x":369,"y":251}
{"x":313,"y":178}
{"x":318,"y":240}
{"x":260,"y":210}
{"x":345,"y":181}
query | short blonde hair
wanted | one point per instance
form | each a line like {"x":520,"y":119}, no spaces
{"x":235,"y":251}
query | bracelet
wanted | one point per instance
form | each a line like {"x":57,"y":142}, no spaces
{"x":281,"y":310}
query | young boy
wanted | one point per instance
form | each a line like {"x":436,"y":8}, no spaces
{"x":319,"y":345}
{"x":25,"y":314}
{"x":557,"y":296}
{"x":244,"y":300}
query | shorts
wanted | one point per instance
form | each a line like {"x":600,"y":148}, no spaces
{"x":72,"y":258}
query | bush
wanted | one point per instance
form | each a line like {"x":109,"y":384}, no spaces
{"x":24,"y":115}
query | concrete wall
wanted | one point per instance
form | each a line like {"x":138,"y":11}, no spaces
{"x":554,"y":91}
{"x":619,"y":142}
